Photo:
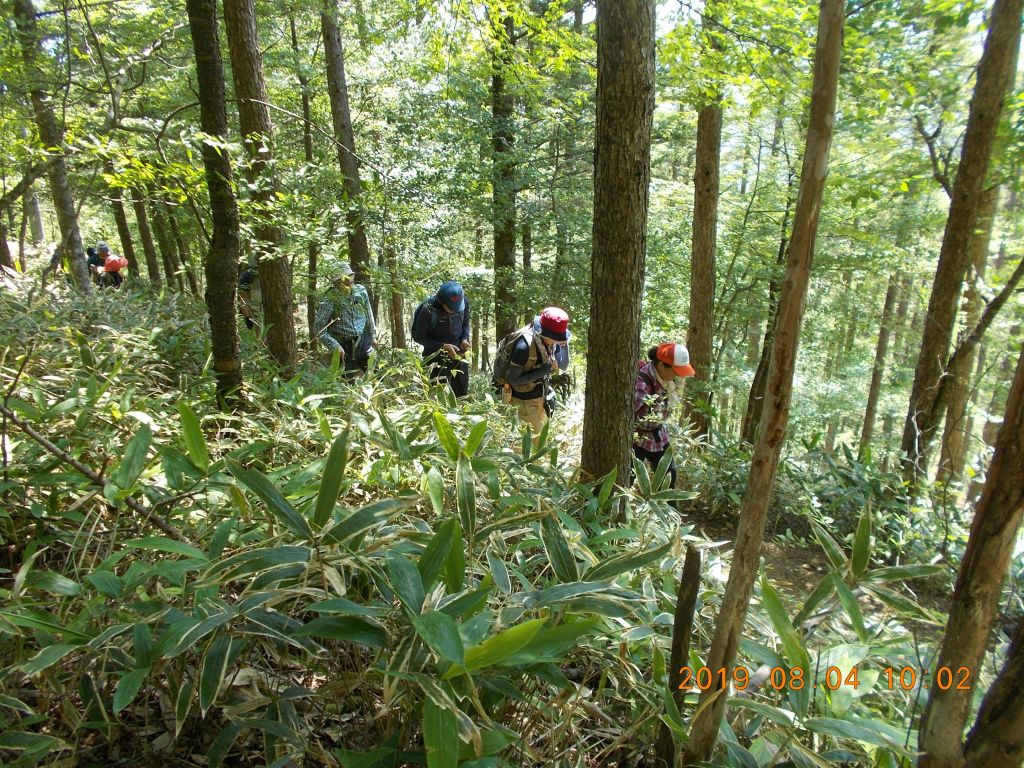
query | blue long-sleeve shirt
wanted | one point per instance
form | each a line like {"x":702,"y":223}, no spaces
{"x":451,"y":328}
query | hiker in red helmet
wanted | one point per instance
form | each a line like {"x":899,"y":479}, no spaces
{"x":656,"y":383}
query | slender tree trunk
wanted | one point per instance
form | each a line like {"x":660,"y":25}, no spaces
{"x":184,"y":253}
{"x":124,"y":233}
{"x":997,"y":739}
{"x":622,"y":172}
{"x":222,"y":260}
{"x":35,"y":217}
{"x":878,"y":370}
{"x":146,"y":236}
{"x":775,"y":417}
{"x":975,"y":603}
{"x":257,"y":131}
{"x":344,"y":138}
{"x":954,"y":437}
{"x":52,"y":138}
{"x":312,"y":248}
{"x":168,"y":252}
{"x":503,"y":181}
{"x":995,"y":72}
{"x":702,"y":262}
{"x":6,"y":259}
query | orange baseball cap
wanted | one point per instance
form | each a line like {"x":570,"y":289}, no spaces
{"x":678,"y":357}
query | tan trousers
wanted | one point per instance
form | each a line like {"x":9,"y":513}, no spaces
{"x":532,"y":412}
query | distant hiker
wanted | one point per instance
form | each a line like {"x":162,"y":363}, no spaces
{"x":441,"y":326}
{"x":112,"y":266}
{"x":95,"y":262}
{"x":249,"y":297}
{"x":558,"y":380}
{"x":344,"y":319}
{"x":656,"y":383}
{"x":524,"y":363}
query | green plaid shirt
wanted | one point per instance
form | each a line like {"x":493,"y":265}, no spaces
{"x":344,"y":316}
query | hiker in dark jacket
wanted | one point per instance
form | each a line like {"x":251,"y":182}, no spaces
{"x":656,"y":383}
{"x":441,"y":326}
{"x":535,"y":356}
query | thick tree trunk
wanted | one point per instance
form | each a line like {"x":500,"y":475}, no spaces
{"x":222,"y":260}
{"x":503,"y":181}
{"x":995,"y":72}
{"x":146,"y":236}
{"x":257,"y":130}
{"x":622,"y":172}
{"x":953,"y":453}
{"x":52,"y":138}
{"x":344,"y":138}
{"x":997,"y":738}
{"x":975,"y":603}
{"x":702,"y":261}
{"x":878,"y":370}
{"x":775,"y":418}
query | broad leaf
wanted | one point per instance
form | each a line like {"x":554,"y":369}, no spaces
{"x":330,"y":482}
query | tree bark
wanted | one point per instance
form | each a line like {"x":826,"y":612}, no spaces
{"x":503,"y":180}
{"x":702,"y":259}
{"x":35,"y":217}
{"x":184,"y":252}
{"x":146,"y":236}
{"x":995,"y":72}
{"x":257,"y":131}
{"x":775,"y":417}
{"x":168,"y":252}
{"x":622,"y":172}
{"x":344,"y":139}
{"x":221,"y":263}
{"x":878,"y":370}
{"x":124,"y":233}
{"x":52,"y":138}
{"x":975,"y":603}
{"x":997,"y":738}
{"x":952,"y":455}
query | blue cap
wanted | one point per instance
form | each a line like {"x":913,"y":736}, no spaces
{"x":450,"y":294}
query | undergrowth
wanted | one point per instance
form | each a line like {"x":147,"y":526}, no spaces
{"x":364,"y":573}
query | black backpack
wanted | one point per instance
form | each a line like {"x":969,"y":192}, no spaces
{"x":503,"y":356}
{"x":427,"y":305}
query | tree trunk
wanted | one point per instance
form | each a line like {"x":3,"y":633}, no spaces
{"x":35,"y":217}
{"x":775,"y":417}
{"x":6,"y":259}
{"x":995,"y":71}
{"x":146,"y":236}
{"x":257,"y":131}
{"x":344,"y":139}
{"x":702,"y":260}
{"x":975,"y":602}
{"x":124,"y":233}
{"x":184,"y":252}
{"x":52,"y":138}
{"x":312,"y":248}
{"x":954,"y":437}
{"x":221,"y":264}
{"x":878,"y":370}
{"x":168,"y":249}
{"x":622,"y":172}
{"x":997,"y":739}
{"x":503,"y":181}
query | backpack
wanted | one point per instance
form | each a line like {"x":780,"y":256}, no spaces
{"x":114,"y":263}
{"x":503,"y":356}
{"x":427,"y":305}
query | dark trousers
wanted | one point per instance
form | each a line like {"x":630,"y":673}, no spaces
{"x":351,"y":363}
{"x":456,"y":372}
{"x":652,"y":458}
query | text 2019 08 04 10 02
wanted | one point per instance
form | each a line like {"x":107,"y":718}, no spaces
{"x":794,"y":678}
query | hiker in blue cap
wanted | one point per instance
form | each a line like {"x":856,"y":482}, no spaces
{"x":441,"y":326}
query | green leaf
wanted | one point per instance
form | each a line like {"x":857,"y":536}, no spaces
{"x":142,"y":644}
{"x":134,"y":461}
{"x":29,"y":743}
{"x":406,"y":582}
{"x":465,"y":486}
{"x":272,"y":497}
{"x":365,"y":518}
{"x":128,"y":688}
{"x":551,"y":643}
{"x":222,"y":744}
{"x":559,"y":554}
{"x":856,"y":729}
{"x":476,"y":437}
{"x":330,"y":482}
{"x":195,"y":441}
{"x":439,"y":631}
{"x":901,"y":604}
{"x":607,"y":485}
{"x":106,"y":583}
{"x":435,"y":490}
{"x":849,"y":603}
{"x":628,"y":561}
{"x":500,"y":572}
{"x":261,"y":559}
{"x":861,"y":555}
{"x":432,"y":559}
{"x":46,"y":658}
{"x":832,"y":550}
{"x":184,"y":634}
{"x":821,"y":593}
{"x":903,"y":572}
{"x":218,"y":660}
{"x":440,"y":736}
{"x":454,"y":571}
{"x":54,"y":583}
{"x":351,"y":629}
{"x":497,"y":648}
{"x":446,"y":435}
{"x":163,"y":544}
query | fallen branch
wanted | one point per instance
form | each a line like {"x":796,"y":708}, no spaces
{"x":150,"y":517}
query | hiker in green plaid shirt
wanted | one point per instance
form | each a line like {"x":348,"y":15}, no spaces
{"x":344,"y":320}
